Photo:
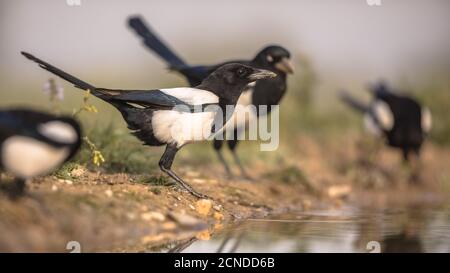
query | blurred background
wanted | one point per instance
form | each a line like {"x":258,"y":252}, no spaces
{"x":336,"y":45}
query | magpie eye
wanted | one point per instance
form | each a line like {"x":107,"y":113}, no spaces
{"x":241,"y":72}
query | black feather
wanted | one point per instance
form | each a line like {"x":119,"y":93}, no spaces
{"x":353,"y":103}
{"x":75,"y":81}
{"x":154,"y":43}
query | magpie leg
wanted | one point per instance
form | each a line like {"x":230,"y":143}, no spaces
{"x":232,"y":143}
{"x":165,"y":164}
{"x":416,"y":166}
{"x":18,"y":188}
{"x":405,"y":153}
{"x":218,"y":148}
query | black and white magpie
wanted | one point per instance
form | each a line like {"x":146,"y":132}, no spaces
{"x":400,"y":119}
{"x":34,"y":143}
{"x":172,"y":116}
{"x":265,"y":92}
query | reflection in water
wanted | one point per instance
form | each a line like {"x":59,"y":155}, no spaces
{"x":179,"y":247}
{"x":348,"y":230}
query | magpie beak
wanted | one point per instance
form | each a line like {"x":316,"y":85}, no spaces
{"x":261,"y":74}
{"x":285,"y":65}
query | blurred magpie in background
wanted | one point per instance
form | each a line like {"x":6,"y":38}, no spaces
{"x":34,"y":143}
{"x":172,"y":116}
{"x":400,"y":119}
{"x":264,"y":92}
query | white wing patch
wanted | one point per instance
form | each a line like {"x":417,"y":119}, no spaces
{"x":58,"y":131}
{"x":26,"y":157}
{"x":427,"y":120}
{"x":383,"y":114}
{"x":171,"y":126}
{"x":192,"y":96}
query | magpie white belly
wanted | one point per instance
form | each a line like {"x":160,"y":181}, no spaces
{"x":181,"y":127}
{"x":244,"y":112}
{"x":26,"y":157}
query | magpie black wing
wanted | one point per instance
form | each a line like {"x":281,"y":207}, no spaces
{"x":152,"y":41}
{"x":154,"y":99}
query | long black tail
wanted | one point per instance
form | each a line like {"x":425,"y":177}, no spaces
{"x":75,"y":81}
{"x":154,"y":43}
{"x":352,"y":102}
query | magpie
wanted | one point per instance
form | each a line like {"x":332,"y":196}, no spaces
{"x":176,"y":116}
{"x":265,"y":92}
{"x":33,"y":143}
{"x":400,"y":119}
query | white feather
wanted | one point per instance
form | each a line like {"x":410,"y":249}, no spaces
{"x":427,"y":120}
{"x":171,"y":126}
{"x":58,"y":131}
{"x":192,"y":96}
{"x":383,"y":114}
{"x":26,"y":157}
{"x":179,"y":127}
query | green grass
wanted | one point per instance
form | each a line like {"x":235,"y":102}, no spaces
{"x":122,"y":151}
{"x":65,"y":171}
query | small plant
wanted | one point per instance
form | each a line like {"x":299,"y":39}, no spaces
{"x":65,"y":172}
{"x":86,"y":106}
{"x":96,"y":155}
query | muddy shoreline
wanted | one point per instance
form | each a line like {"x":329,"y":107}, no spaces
{"x":113,"y":212}
{"x":121,"y":212}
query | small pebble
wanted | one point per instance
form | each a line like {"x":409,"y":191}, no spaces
{"x":109,"y":193}
{"x":203,"y":206}
{"x":153,"y":215}
{"x":218,"y":216}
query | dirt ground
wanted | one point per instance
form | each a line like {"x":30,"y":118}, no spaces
{"x":114,"y":212}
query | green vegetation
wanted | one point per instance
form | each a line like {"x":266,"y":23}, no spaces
{"x":66,"y":170}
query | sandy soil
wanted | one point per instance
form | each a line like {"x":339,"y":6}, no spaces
{"x":114,"y":212}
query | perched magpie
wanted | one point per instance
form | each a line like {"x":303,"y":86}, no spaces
{"x":34,"y":143}
{"x":264,"y":92}
{"x":177,"y":116}
{"x":400,"y":119}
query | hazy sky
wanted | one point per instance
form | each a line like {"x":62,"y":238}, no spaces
{"x":346,"y":40}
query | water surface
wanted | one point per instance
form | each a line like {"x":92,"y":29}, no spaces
{"x":415,"y":229}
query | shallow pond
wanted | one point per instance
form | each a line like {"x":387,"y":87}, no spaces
{"x":415,"y":229}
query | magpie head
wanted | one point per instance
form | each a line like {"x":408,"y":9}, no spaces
{"x":230,"y":80}
{"x":380,"y":90}
{"x":276,"y":57}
